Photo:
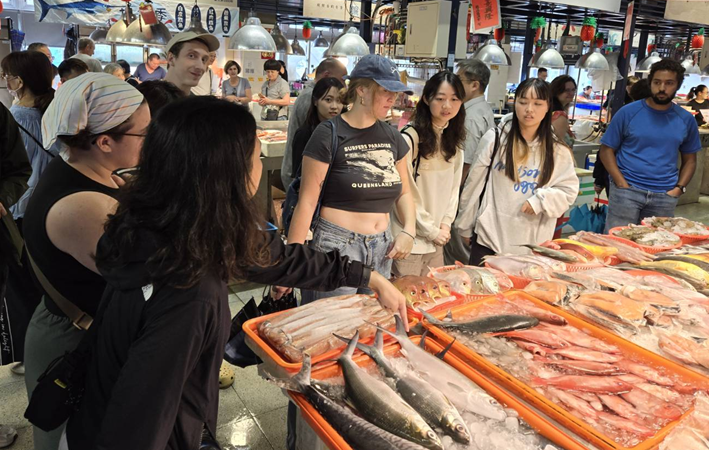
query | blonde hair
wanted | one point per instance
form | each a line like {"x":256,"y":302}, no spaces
{"x":348,"y":95}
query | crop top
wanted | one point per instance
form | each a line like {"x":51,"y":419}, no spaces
{"x":363,"y":177}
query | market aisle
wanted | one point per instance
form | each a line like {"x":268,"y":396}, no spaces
{"x":252,"y":413}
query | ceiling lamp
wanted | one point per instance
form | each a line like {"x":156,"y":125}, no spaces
{"x":349,"y":43}
{"x":689,"y":67}
{"x":492,"y":54}
{"x":549,"y":58}
{"x":282,"y":44}
{"x":297,"y":49}
{"x":118,"y":29}
{"x":593,"y":60}
{"x":138,"y":33}
{"x":252,"y":36}
{"x":647,"y":62}
{"x":321,"y":42}
{"x":196,"y":26}
{"x":99,"y":35}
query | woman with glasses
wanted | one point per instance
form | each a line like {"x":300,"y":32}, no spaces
{"x":100,"y":122}
{"x":563,"y":91}
{"x":532,"y":180}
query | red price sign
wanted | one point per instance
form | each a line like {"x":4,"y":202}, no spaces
{"x":148,"y":14}
{"x":486,"y":14}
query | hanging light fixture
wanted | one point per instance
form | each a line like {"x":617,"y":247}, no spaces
{"x":349,"y":43}
{"x":252,"y":36}
{"x":297,"y":49}
{"x":689,"y":67}
{"x":282,"y":44}
{"x":99,"y":35}
{"x":117,"y":31}
{"x":549,"y":58}
{"x":139,"y":33}
{"x":492,"y":53}
{"x":196,"y":25}
{"x":646,"y":63}
{"x":593,"y":60}
{"x":321,"y":42}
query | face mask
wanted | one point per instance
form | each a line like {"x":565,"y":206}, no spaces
{"x":14,"y":94}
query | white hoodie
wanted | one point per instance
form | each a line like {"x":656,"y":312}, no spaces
{"x":500,"y":223}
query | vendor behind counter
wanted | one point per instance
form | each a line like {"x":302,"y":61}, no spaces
{"x":275,"y":93}
{"x":697,"y":97}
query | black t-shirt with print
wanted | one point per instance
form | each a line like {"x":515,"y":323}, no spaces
{"x":364,"y":176}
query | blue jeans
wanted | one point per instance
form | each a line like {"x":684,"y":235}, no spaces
{"x":369,"y":249}
{"x":632,"y":205}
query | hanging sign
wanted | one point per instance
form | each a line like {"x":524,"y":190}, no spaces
{"x":626,"y":30}
{"x":226,"y":21}
{"x":696,"y":11}
{"x":600,"y":5}
{"x":196,"y":14}
{"x":486,"y":15}
{"x":148,"y":14}
{"x":211,"y":19}
{"x":180,"y":17}
{"x":332,"y":9}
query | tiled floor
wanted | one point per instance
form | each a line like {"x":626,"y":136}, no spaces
{"x":252,"y":413}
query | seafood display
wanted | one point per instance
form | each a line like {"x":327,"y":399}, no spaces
{"x":624,"y":252}
{"x":678,"y":225}
{"x":534,"y":267}
{"x":309,"y":329}
{"x":693,"y":432}
{"x":594,"y":380}
{"x":423,"y":292}
{"x":469,"y":280}
{"x":648,"y":236}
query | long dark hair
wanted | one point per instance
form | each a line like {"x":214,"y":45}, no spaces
{"x":193,"y":189}
{"x":693,"y":92}
{"x":558,"y":86}
{"x":516,"y":142}
{"x":36,"y":72}
{"x":454,"y":134}
{"x":320,"y":90}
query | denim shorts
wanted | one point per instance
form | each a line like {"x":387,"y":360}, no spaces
{"x":369,"y":249}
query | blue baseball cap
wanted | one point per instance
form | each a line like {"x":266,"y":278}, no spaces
{"x":382,"y":70}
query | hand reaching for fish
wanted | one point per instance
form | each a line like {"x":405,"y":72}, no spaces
{"x":527,"y":209}
{"x":402,"y":246}
{"x":389,"y":296}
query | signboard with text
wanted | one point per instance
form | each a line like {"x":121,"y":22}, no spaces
{"x":332,"y":9}
{"x":486,"y":15}
{"x":692,"y":11}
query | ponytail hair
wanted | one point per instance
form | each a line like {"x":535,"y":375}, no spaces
{"x":348,"y":95}
{"x":693,"y":92}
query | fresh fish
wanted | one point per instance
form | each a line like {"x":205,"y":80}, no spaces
{"x":591,"y":398}
{"x":598,"y":385}
{"x":592,"y":251}
{"x":542,"y":314}
{"x":542,"y":337}
{"x":414,"y":290}
{"x":428,"y":401}
{"x":552,"y":292}
{"x":444,"y":288}
{"x":626,"y":425}
{"x":576,"y":337}
{"x":554,"y":254}
{"x":462,"y":392}
{"x":458,"y":280}
{"x":666,"y":394}
{"x":647,"y":236}
{"x":690,"y":273}
{"x":515,"y":266}
{"x":649,"y":404}
{"x":584,"y":354}
{"x":488,"y":281}
{"x":573,"y":402}
{"x":625,"y":253}
{"x":488,"y":324}
{"x":357,"y":432}
{"x":686,"y":350}
{"x":655,"y":299}
{"x":581,"y":367}
{"x":699,"y":262}
{"x":645,"y":372}
{"x":379,"y":404}
{"x":678,"y":225}
{"x":621,"y":407}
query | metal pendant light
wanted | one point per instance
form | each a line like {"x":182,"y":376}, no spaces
{"x":99,"y":35}
{"x":117,"y":31}
{"x":196,"y":26}
{"x":321,"y":42}
{"x":297,"y":49}
{"x":689,"y":67}
{"x":138,"y":33}
{"x":282,"y":44}
{"x":252,"y":36}
{"x":491,"y":53}
{"x":593,"y":60}
{"x":646,"y":63}
{"x":350,"y":43}
{"x":548,"y":58}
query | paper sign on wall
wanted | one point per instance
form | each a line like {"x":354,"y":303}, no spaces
{"x":332,"y":9}
{"x":486,"y":15}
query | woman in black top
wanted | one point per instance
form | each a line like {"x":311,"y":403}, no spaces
{"x":176,"y":239}
{"x":325,"y":105}
{"x":698,"y":101}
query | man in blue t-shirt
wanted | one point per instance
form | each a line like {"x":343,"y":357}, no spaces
{"x":150,"y":70}
{"x":640,"y":151}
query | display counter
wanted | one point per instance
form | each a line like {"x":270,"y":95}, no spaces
{"x":704,"y":165}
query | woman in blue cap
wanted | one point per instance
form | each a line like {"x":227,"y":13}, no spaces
{"x":366,"y":179}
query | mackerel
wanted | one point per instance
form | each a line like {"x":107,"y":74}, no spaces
{"x":488,"y":324}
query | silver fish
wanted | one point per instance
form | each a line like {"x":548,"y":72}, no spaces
{"x":488,"y":281}
{"x":379,"y":404}
{"x":462,"y":392}
{"x":551,"y":253}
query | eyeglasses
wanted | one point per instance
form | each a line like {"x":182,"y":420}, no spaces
{"x":142,"y":135}
{"x":8,"y":77}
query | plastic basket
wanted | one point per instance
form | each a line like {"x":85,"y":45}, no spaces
{"x":335,"y":442}
{"x":517,"y":282}
{"x":645,"y":248}
{"x":554,"y":411}
{"x":686,"y":238}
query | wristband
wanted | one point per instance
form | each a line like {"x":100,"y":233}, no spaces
{"x":408,"y":234}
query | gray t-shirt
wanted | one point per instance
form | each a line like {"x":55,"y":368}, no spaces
{"x":238,"y":91}
{"x":363,"y":177}
{"x":298,"y":115}
{"x":93,"y":63}
{"x":277,"y":90}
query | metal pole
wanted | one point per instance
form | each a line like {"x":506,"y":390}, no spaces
{"x":624,"y":58}
{"x":528,"y":51}
{"x":452,"y":34}
{"x":578,"y":80}
{"x":642,"y":46}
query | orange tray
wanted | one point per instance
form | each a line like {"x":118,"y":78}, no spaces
{"x":335,"y":442}
{"x":686,"y":238}
{"x":645,"y":248}
{"x":555,"y":412}
{"x":266,"y":352}
{"x":517,"y":282}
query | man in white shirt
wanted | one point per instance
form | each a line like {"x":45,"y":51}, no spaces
{"x":329,"y":67}
{"x":86,"y":51}
{"x":479,"y":118}
{"x":209,"y":83}
{"x":188,"y":58}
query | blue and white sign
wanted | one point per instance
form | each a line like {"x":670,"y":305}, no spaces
{"x":226,"y":21}
{"x":211,"y":19}
{"x":180,"y":17}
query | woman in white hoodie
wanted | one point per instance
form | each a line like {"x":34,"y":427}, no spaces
{"x":523,"y":180}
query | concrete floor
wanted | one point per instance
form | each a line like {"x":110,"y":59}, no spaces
{"x":252,"y":413}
